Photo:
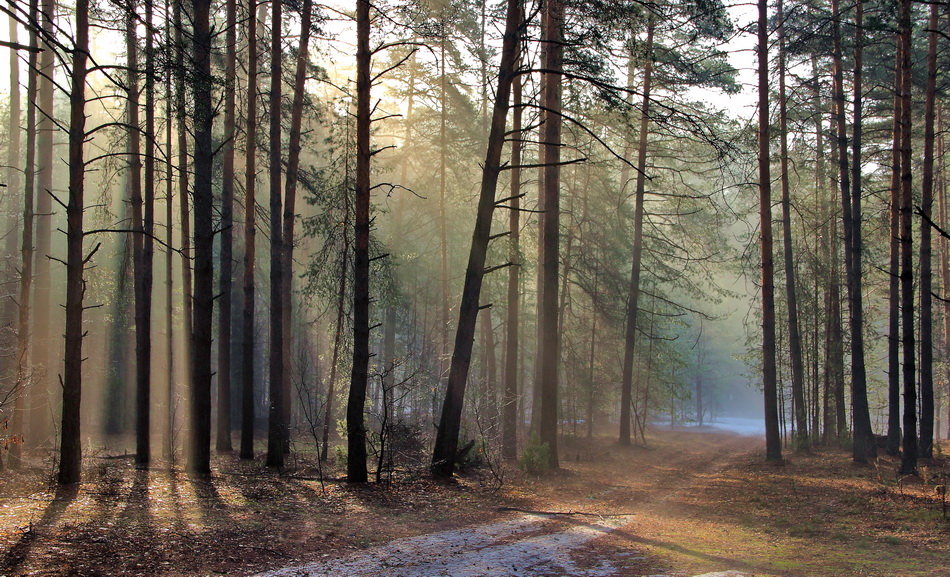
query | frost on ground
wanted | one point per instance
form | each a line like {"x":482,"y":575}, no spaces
{"x":526,"y":546}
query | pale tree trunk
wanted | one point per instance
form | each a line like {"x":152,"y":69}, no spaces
{"x":443,"y":225}
{"x":70,"y":455}
{"x":909,"y":455}
{"x":633,"y":289}
{"x":200,"y":457}
{"x":552,"y":21}
{"x":250,"y":236}
{"x":24,"y":368}
{"x":791,"y":291}
{"x":893,"y":294}
{"x":223,"y":436}
{"x":356,"y":402}
{"x":926,"y":250}
{"x":9,"y":365}
{"x":773,"y":442}
{"x":446,"y":443}
{"x":183,"y":195}
{"x":290,"y":198}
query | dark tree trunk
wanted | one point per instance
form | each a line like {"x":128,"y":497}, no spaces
{"x":171,"y":394}
{"x":909,"y":456}
{"x":223,"y":441}
{"x":894,"y":306}
{"x":144,"y":326}
{"x":926,"y":250}
{"x":250,"y":234}
{"x":633,"y":289}
{"x":183,"y":194}
{"x":23,"y":360}
{"x":509,"y":441}
{"x":70,"y":454}
{"x":791,"y":291}
{"x":773,"y":441}
{"x":200,"y":457}
{"x":356,"y":402}
{"x":446,"y":443}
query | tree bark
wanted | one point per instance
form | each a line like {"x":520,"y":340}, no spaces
{"x":773,"y":442}
{"x":225,"y":278}
{"x":169,"y":447}
{"x":446,"y":443}
{"x":183,"y":194}
{"x":200,"y":457}
{"x":926,"y":250}
{"x":894,"y":306}
{"x":250,"y":235}
{"x":70,"y":455}
{"x":633,"y":289}
{"x":356,"y":402}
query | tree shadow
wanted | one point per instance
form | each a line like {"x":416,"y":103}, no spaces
{"x":18,"y":552}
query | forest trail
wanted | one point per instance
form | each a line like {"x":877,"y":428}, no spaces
{"x":566,"y":538}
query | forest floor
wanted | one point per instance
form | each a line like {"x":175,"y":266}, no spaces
{"x":688,"y":503}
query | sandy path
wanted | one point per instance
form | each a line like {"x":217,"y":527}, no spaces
{"x":537,"y":544}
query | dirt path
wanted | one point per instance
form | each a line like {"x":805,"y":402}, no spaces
{"x":566,"y":536}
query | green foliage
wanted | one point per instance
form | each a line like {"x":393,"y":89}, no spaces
{"x":536,"y":456}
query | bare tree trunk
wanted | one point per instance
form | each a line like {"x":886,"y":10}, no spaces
{"x":944,"y":244}
{"x":510,"y":397}
{"x":356,"y":429}
{"x":446,"y":443}
{"x":70,"y":455}
{"x":250,"y":234}
{"x":791,"y":291}
{"x":183,"y":194}
{"x":200,"y":457}
{"x":926,"y":250}
{"x":328,"y":420}
{"x":893,"y":330}
{"x":443,"y":225}
{"x":171,"y":394}
{"x":633,"y":289}
{"x":24,"y":367}
{"x":909,"y":456}
{"x":553,"y":17}
{"x":40,"y":414}
{"x":9,"y":314}
{"x":773,"y":442}
{"x":225,"y":278}
{"x":144,"y":363}
{"x":290,"y":198}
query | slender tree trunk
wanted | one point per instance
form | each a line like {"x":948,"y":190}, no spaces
{"x":144,"y":362}
{"x":183,"y":194}
{"x":250,"y":234}
{"x":276,"y":430}
{"x":24,"y":368}
{"x":446,"y":443}
{"x":909,"y":456}
{"x":328,"y":420}
{"x":171,"y":394}
{"x":40,"y":414}
{"x":633,"y":289}
{"x":773,"y":451}
{"x":510,"y":399}
{"x":553,"y":17}
{"x":926,"y":250}
{"x":9,"y":315}
{"x":225,"y":278}
{"x":356,"y":428}
{"x":791,"y":291}
{"x":443,"y":224}
{"x":944,"y":254}
{"x":204,"y":234}
{"x":70,"y":455}
{"x":893,"y":330}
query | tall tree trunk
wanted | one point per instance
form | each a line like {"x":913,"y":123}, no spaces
{"x":864,"y":445}
{"x":70,"y":454}
{"x":773,"y":441}
{"x":509,"y":441}
{"x":633,"y":289}
{"x":40,"y":413}
{"x":290,"y":197}
{"x":328,"y":420}
{"x":791,"y":291}
{"x":169,"y":447}
{"x":200,"y":456}
{"x":225,"y":278}
{"x":9,"y":365}
{"x":142,"y":336}
{"x":276,"y":429}
{"x":926,"y":251}
{"x":446,"y":443}
{"x":356,"y":402}
{"x":944,"y":254}
{"x":144,"y":370}
{"x":909,"y":456}
{"x":24,"y":367}
{"x":553,"y":17}
{"x":443,"y":224}
{"x":183,"y":194}
{"x":250,"y":235}
{"x":894,"y":306}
